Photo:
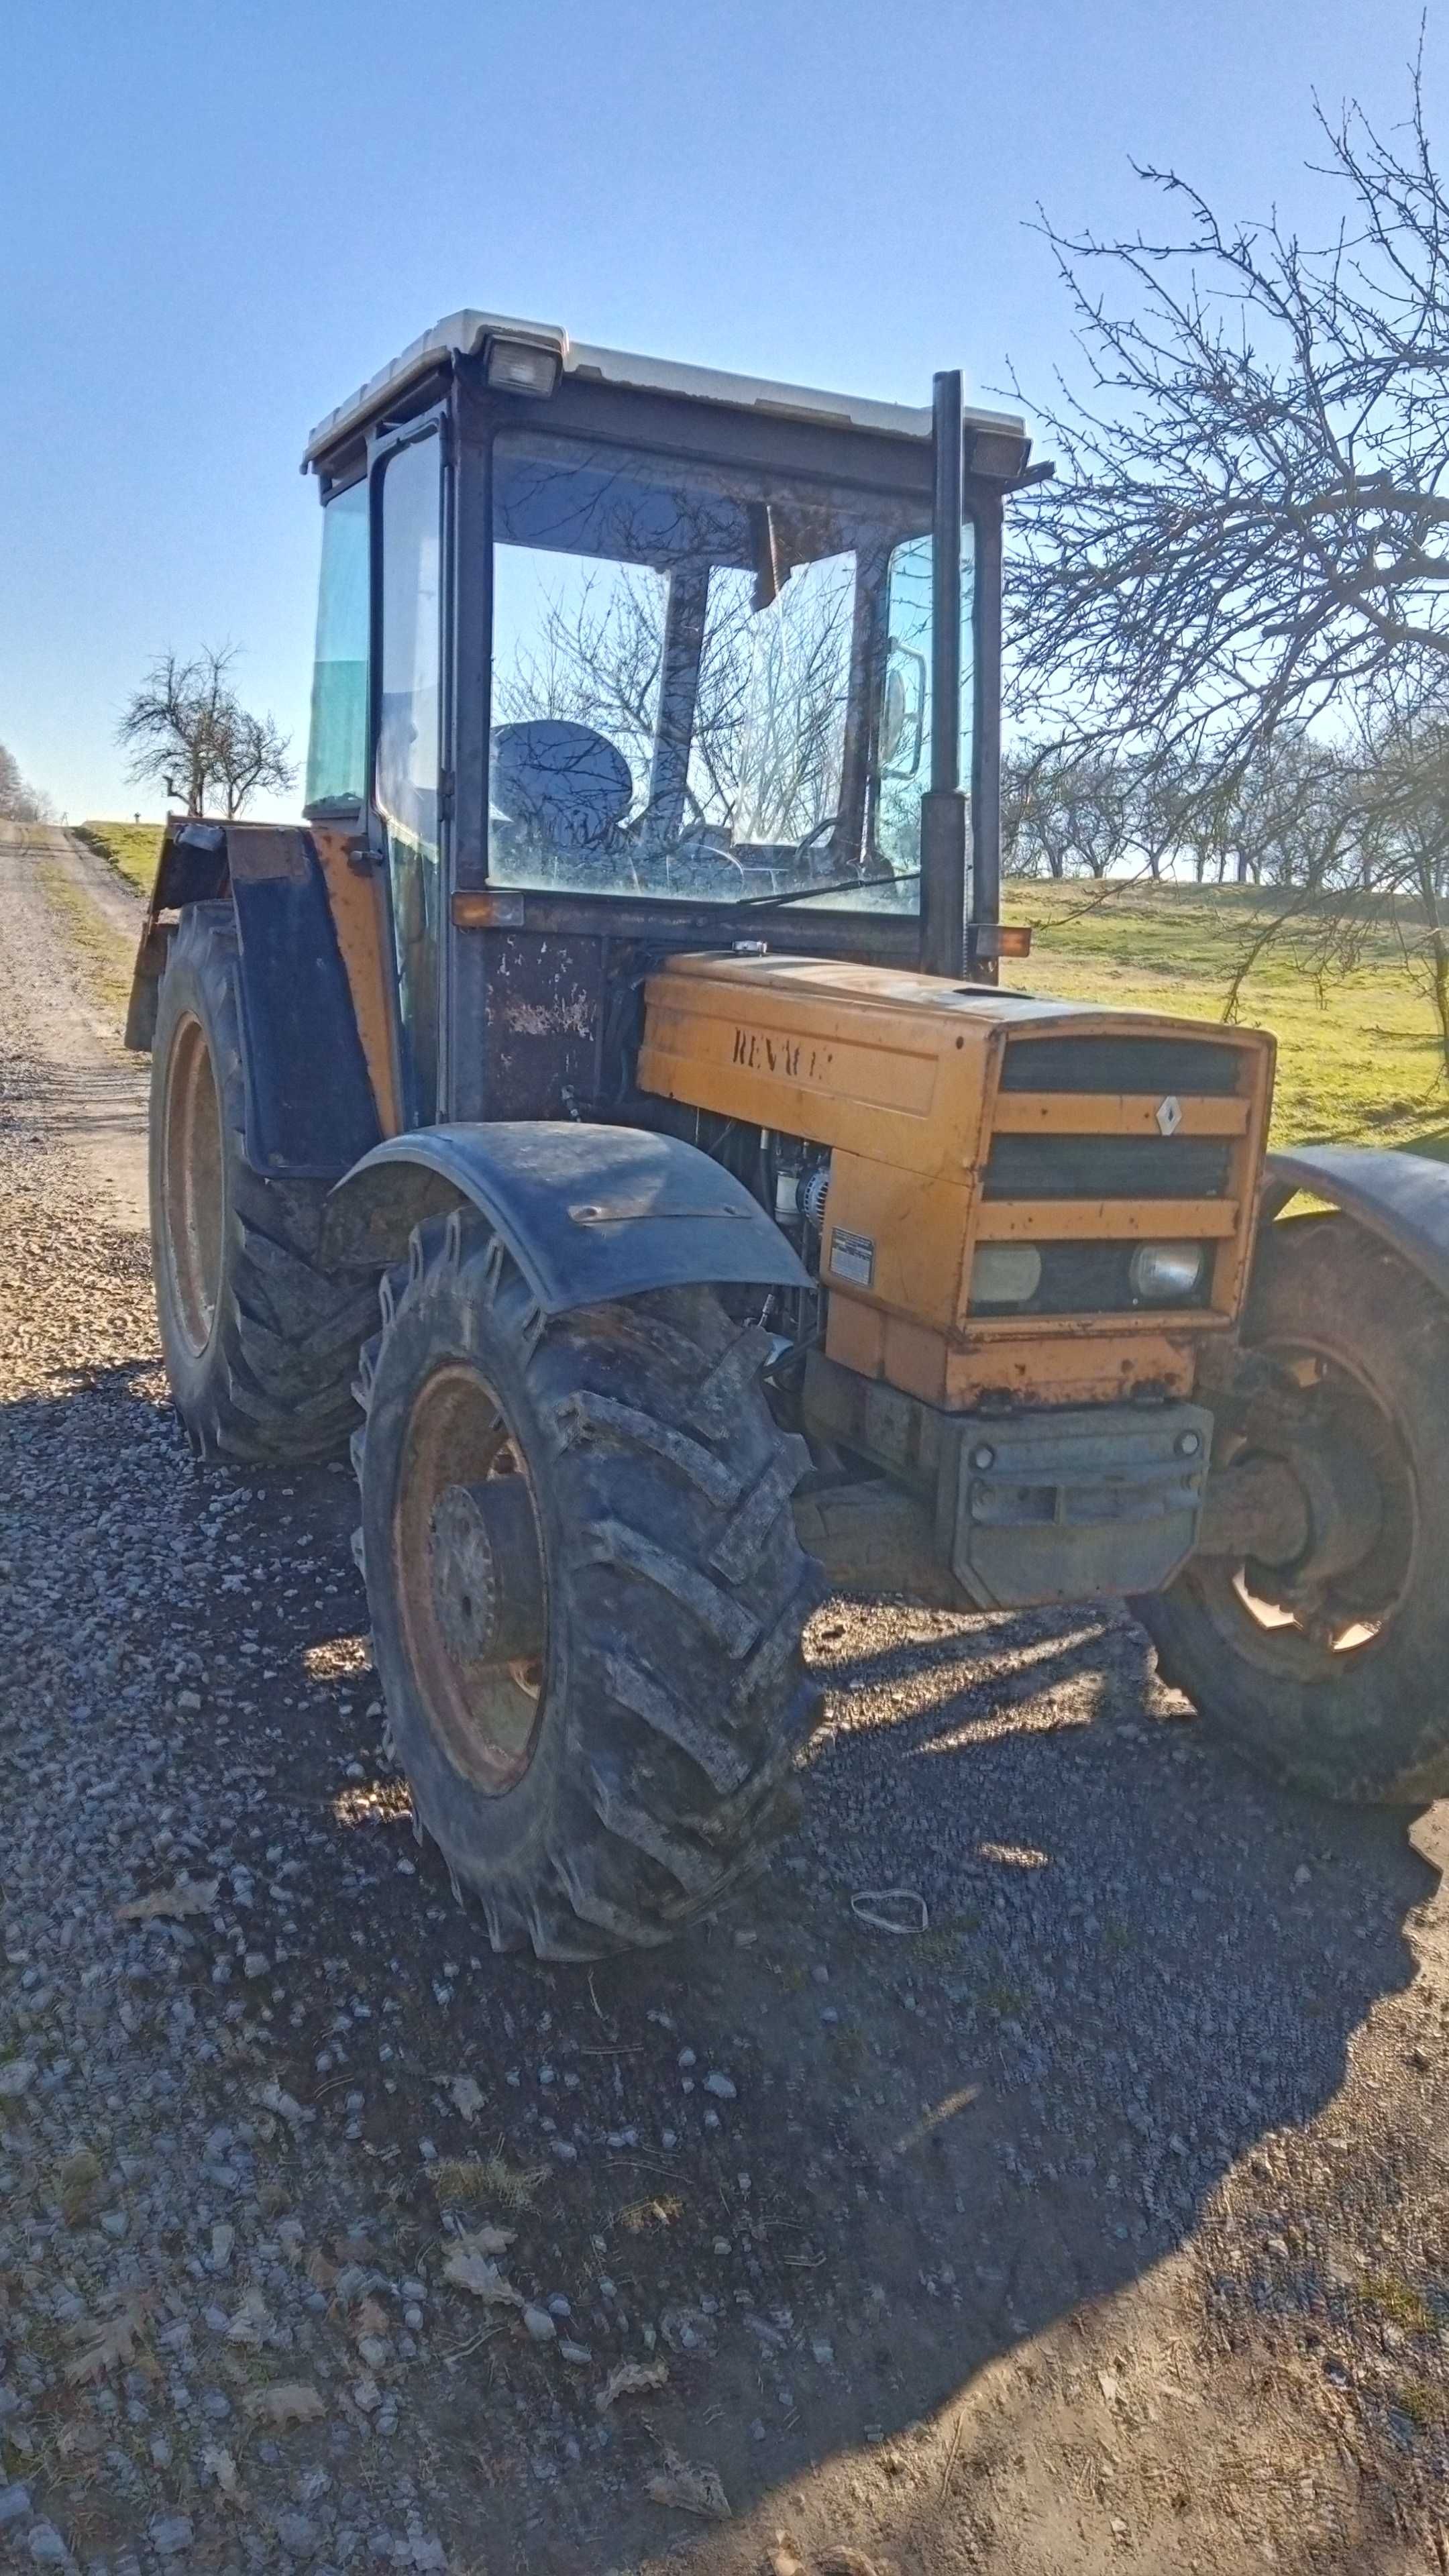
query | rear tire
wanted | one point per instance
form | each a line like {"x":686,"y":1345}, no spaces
{"x":599,"y":1778}
{"x":1346,"y":1699}
{"x":260,"y":1342}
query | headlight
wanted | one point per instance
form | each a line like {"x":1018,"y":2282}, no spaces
{"x":1005,"y":1274}
{"x":1164,"y":1273}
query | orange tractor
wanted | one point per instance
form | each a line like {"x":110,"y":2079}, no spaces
{"x":604,"y":1112}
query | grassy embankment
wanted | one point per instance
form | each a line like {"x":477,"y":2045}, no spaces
{"x":131,"y":848}
{"x":1359,"y":1063}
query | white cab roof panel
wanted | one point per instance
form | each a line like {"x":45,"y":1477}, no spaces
{"x":465,"y":333}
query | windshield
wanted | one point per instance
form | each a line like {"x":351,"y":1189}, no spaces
{"x":709,"y":682}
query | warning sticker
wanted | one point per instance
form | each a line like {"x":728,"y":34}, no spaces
{"x":852,"y":1256}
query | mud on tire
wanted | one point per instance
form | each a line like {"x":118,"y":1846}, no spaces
{"x":672,"y":1695}
{"x":260,"y":1342}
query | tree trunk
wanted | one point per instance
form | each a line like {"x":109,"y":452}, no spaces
{"x":1426,"y":871}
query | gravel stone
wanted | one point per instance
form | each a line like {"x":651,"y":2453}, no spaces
{"x":170,"y":2533}
{"x":1162,"y":2016}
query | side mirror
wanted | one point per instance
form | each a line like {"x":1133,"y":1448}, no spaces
{"x":903,"y":713}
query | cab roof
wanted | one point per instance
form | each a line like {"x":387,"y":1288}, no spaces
{"x":466,"y":334}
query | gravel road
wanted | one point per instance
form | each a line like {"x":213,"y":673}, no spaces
{"x":1103,"y":2224}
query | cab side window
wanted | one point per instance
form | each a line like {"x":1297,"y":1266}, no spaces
{"x":337,"y":742}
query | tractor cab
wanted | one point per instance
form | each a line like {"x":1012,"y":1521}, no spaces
{"x":614,"y":651}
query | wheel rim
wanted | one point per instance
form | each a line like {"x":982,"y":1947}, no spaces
{"x":1289,"y":1625}
{"x":481,"y":1679}
{"x":192,"y":1188}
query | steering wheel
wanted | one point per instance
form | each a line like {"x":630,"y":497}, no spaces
{"x":817,"y":832}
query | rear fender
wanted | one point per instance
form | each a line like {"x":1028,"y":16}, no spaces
{"x":1402,"y":1198}
{"x":191,"y":869}
{"x":588,"y":1213}
{"x":310,"y":1109}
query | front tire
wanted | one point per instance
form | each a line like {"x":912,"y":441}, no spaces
{"x":260,"y":1342}
{"x":586,"y":1593}
{"x":1335,"y":1686}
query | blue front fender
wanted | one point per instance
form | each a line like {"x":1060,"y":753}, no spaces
{"x":588,"y":1213}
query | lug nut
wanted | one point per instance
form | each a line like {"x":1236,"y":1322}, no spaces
{"x":983,"y":1457}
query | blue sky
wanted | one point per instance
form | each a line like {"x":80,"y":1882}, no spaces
{"x":216,"y":220}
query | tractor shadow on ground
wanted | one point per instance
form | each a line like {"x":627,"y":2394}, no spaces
{"x":1142,"y":1962}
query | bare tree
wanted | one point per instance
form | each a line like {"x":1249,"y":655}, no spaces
{"x":1065,"y":813}
{"x":19,"y":802}
{"x":1406,"y":852}
{"x":1251,"y":519}
{"x":1238,"y":585}
{"x":187,"y":730}
{"x":1374,"y":857}
{"x":250,"y":755}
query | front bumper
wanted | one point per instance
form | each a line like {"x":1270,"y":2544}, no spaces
{"x":1039,"y":1506}
{"x":1062,"y":1506}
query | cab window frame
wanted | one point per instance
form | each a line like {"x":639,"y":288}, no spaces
{"x":431,"y":417}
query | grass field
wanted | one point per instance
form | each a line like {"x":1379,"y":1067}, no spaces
{"x":1359,"y":1062}
{"x":131,"y":848}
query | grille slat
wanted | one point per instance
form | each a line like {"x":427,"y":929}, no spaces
{"x":1106,"y":1167}
{"x":1118,"y":1064}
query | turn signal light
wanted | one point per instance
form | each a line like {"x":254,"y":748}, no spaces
{"x":998,"y":938}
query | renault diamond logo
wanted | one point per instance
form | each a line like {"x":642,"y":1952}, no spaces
{"x":1169,"y":1115}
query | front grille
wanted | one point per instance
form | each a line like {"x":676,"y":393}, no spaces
{"x":1091,"y":1279}
{"x":1089,"y":1155}
{"x":1118,"y":1064}
{"x":1106,"y":1167}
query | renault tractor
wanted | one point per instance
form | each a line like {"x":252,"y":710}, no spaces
{"x":603,"y":1112}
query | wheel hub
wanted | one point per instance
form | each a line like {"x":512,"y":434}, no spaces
{"x":471,"y":1580}
{"x":1310,"y":1533}
{"x":486,"y":1572}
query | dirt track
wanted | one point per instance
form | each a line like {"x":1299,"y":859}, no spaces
{"x":1105,"y":2225}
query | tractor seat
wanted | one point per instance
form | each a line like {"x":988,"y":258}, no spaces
{"x":563,"y":781}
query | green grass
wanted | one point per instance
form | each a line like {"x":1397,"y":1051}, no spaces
{"x":131,"y":848}
{"x":1358,"y":1063}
